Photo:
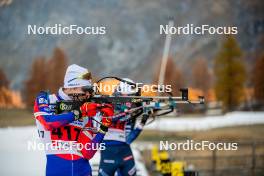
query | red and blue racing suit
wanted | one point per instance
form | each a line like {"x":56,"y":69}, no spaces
{"x":59,"y":130}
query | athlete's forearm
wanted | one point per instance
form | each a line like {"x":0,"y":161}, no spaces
{"x":55,"y":121}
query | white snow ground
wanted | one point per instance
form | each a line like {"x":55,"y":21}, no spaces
{"x":206,"y":123}
{"x":16,"y":159}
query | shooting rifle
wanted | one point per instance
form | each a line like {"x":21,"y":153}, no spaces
{"x":148,"y":104}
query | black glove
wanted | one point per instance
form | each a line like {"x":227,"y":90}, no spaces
{"x":144,"y":119}
{"x":103,"y":129}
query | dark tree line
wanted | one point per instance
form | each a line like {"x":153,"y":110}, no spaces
{"x":230,"y":74}
{"x":201,"y":76}
{"x":227,"y":79}
{"x":5,"y":98}
{"x":45,"y":74}
{"x":173,"y":76}
{"x":258,"y":79}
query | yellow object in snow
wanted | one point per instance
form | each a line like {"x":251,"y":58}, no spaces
{"x":165,"y":164}
{"x":155,"y":157}
{"x":164,"y":155}
{"x":177,"y":168}
{"x":154,"y":153}
{"x":162,"y":162}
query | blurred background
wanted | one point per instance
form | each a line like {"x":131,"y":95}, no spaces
{"x":227,"y":69}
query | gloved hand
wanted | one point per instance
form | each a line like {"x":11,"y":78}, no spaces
{"x":107,"y":111}
{"x":89,"y":109}
{"x":144,"y":119}
{"x":107,"y":121}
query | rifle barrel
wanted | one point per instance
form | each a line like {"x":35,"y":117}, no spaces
{"x":142,"y":97}
{"x":178,"y":99}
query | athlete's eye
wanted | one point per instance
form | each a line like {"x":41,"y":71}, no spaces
{"x":88,"y":89}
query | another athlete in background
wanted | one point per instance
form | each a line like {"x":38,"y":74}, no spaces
{"x":118,"y":157}
{"x":65,"y":129}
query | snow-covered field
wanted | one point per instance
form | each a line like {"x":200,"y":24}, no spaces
{"x":16,"y":159}
{"x":206,"y":123}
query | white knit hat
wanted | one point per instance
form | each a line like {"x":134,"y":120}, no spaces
{"x":74,"y":77}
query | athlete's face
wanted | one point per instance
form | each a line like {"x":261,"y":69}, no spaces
{"x":79,"y":93}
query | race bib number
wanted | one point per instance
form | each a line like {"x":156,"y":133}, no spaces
{"x":66,"y":133}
